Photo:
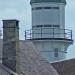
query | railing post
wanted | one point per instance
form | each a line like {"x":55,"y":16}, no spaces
{"x":30,"y":35}
{"x":25,"y":34}
{"x":64,"y":32}
{"x":71,"y":34}
{"x":41,"y":32}
{"x":53,"y":32}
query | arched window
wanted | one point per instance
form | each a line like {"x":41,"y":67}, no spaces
{"x":56,"y":54}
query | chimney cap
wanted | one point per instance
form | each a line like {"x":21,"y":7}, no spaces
{"x":10,"y":23}
{"x":11,"y":20}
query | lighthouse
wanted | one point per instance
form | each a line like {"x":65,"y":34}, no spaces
{"x":48,"y":32}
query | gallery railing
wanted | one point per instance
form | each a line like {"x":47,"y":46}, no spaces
{"x":48,"y":33}
{"x":45,"y":33}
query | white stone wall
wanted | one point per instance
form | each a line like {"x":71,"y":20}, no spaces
{"x":49,"y":16}
{"x":47,"y":49}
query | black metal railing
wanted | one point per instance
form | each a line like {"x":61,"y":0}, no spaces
{"x":48,"y":33}
{"x":45,"y":33}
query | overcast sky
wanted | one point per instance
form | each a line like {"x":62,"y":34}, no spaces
{"x":21,"y":10}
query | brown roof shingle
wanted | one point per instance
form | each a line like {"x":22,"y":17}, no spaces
{"x":66,"y":67}
{"x":32,"y":63}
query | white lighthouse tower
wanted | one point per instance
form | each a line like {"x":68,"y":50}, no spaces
{"x":48,"y":31}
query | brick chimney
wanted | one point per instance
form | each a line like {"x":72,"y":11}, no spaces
{"x":11,"y":44}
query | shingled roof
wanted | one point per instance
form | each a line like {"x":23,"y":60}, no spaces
{"x":66,"y":67}
{"x":32,"y":63}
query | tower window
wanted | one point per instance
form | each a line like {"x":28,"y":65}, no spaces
{"x":38,"y":8}
{"x":56,"y":54}
{"x":52,"y":26}
{"x":55,"y":25}
{"x":55,"y":7}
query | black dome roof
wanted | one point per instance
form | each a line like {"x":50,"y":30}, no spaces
{"x":38,"y":1}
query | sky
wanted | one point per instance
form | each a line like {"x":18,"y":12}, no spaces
{"x":21,"y":10}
